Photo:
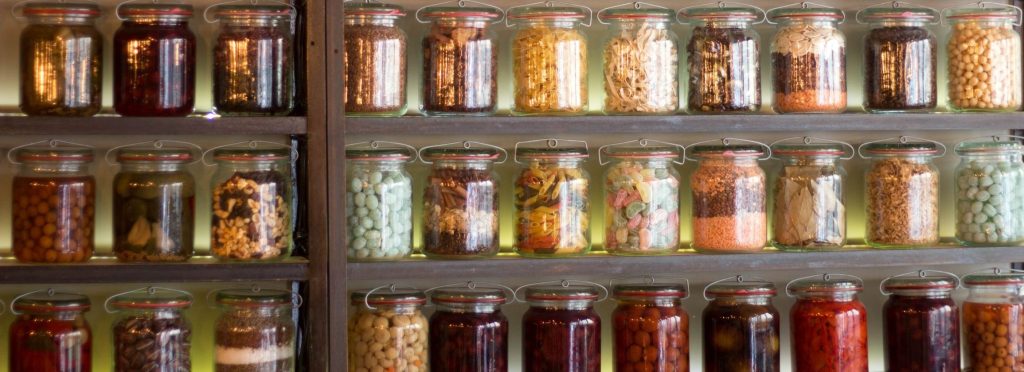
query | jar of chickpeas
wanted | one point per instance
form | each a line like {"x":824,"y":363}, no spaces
{"x":993,"y":325}
{"x":984,"y":54}
{"x":387,"y":331}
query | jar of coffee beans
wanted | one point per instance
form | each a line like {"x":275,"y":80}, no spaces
{"x":900,"y":58}
{"x":387,"y":331}
{"x":252,"y":204}
{"x":379,"y":203}
{"x":151,"y":332}
{"x":255,"y":331}
{"x":984,"y":49}
{"x":154,"y":205}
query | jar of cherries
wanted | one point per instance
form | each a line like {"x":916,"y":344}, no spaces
{"x":829,"y":325}
{"x":468,"y":331}
{"x":154,"y":60}
{"x":921,"y":323}
{"x":561,"y":330}
{"x":651,"y":330}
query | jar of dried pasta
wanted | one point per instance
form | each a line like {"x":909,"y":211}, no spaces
{"x":641,"y":62}
{"x":729,"y":199}
{"x":722,"y":59}
{"x":902,"y":194}
{"x":460,"y":203}
{"x":549,"y":60}
{"x":552,"y":202}
{"x":808,"y":60}
{"x":984,"y":52}
{"x":374,"y":57}
{"x":810,"y":202}
{"x":460,"y":61}
{"x":900,"y":58}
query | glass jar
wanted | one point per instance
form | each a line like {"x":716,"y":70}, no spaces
{"x":723,"y":60}
{"x":651,"y":329}
{"x":990,"y":201}
{"x":379,"y":204}
{"x":391,"y":321}
{"x":741,"y":327}
{"x":374,"y":57}
{"x":641,"y":195}
{"x":808,"y":60}
{"x":255,"y":331}
{"x":729,"y":199}
{"x":54,"y":203}
{"x":984,"y":72}
{"x":154,"y":60}
{"x":50,"y":333}
{"x":61,"y":60}
{"x":154,"y":205}
{"x":994,"y":322}
{"x":549,"y":60}
{"x":900,"y":59}
{"x":460,"y":203}
{"x":253,"y":60}
{"x":460,"y":61}
{"x":922,"y":325}
{"x":468,"y":332}
{"x":561,"y":329}
{"x":552,"y":202}
{"x":252,"y":205}
{"x":902,"y":194}
{"x":809,"y":197}
{"x":829,"y":325}
{"x":641,"y":62}
{"x":151,"y":332}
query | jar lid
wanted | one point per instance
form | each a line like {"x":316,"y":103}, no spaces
{"x":561,"y":293}
{"x":904,"y":148}
{"x":737,"y":151}
{"x":993,"y":280}
{"x":988,"y":14}
{"x":646,"y":14}
{"x":643,"y":152}
{"x":809,"y":149}
{"x":548,"y":12}
{"x":989,"y":147}
{"x":902,"y":14}
{"x":360,"y":9}
{"x":821,"y":285}
{"x":128,"y":155}
{"x":143,"y":301}
{"x":741,"y":289}
{"x":649,"y":290}
{"x":720,"y":13}
{"x":251,"y":298}
{"x":387,"y":297}
{"x":42,"y":302}
{"x":145,"y":10}
{"x":87,"y":10}
{"x":379,"y":154}
{"x":55,"y":154}
{"x":831,"y":14}
{"x":249,"y":154}
{"x":900,"y":285}
{"x":554,"y":153}
{"x":468,"y":296}
{"x":449,"y":12}
{"x":254,"y":11}
{"x":459,"y":153}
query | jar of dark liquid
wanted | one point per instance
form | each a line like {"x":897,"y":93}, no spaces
{"x":468,"y":332}
{"x":253,"y":60}
{"x":61,"y":60}
{"x":561,"y":331}
{"x":741,"y":327}
{"x":921,"y":323}
{"x":154,"y":60}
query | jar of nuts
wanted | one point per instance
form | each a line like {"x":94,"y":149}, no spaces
{"x":651,"y":330}
{"x":379,"y":203}
{"x":54,"y":198}
{"x":808,"y":60}
{"x":993,"y":325}
{"x":374,"y":56}
{"x":252,"y":204}
{"x":154,"y":205}
{"x":901,"y":193}
{"x":984,"y":50}
{"x":151,"y":332}
{"x":255,"y":331}
{"x":50,"y":333}
{"x":989,"y":196}
{"x":723,"y":59}
{"x":387,"y":331}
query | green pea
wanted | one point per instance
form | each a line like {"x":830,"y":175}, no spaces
{"x":376,"y":177}
{"x":359,"y":243}
{"x":372,"y":202}
{"x":977,"y":207}
{"x":360,"y":199}
{"x":995,"y":190}
{"x":982,"y":196}
{"x":356,"y":185}
{"x":989,"y":210}
{"x":362,"y":212}
{"x":366,"y":222}
{"x":358,"y":231}
{"x":972,"y":181}
{"x":986,"y":181}
{"x":980,"y":218}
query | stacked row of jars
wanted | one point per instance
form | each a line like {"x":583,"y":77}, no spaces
{"x":155,"y":60}
{"x":641,"y":60}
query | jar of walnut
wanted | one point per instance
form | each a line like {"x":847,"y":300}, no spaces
{"x":252,"y":204}
{"x":984,"y":60}
{"x":387,"y":331}
{"x":902,"y":194}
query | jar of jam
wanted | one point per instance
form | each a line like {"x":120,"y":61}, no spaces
{"x":50,"y":333}
{"x":254,"y":60}
{"x":810,"y":196}
{"x":255,"y":330}
{"x":549,"y":59}
{"x":54,"y":202}
{"x":990,"y":201}
{"x":829,"y":324}
{"x":154,"y":60}
{"x":902,"y":193}
{"x":641,"y":61}
{"x":651,"y":330}
{"x":388,"y":322}
{"x":61,"y":59}
{"x":460,"y":60}
{"x":641,"y":196}
{"x":984,"y":58}
{"x":994,"y":321}
{"x":374,"y":56}
{"x":552,"y":200}
{"x":154,"y":205}
{"x":900,"y":58}
{"x":460,"y":202}
{"x":741,"y":326}
{"x":468,"y":331}
{"x":561,"y":330}
{"x":723,"y":59}
{"x":151,"y":332}
{"x":730,"y":192}
{"x":253,"y":205}
{"x":808,"y":60}
{"x":379,"y":202}
{"x":921,"y":323}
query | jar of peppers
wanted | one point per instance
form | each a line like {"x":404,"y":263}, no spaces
{"x":468,"y":331}
{"x":552,"y":200}
{"x":993,"y":321}
{"x":61,"y":59}
{"x":460,"y":202}
{"x":561,"y":330}
{"x":254,"y":60}
{"x":729,"y":197}
{"x":921,"y":323}
{"x":50,"y":333}
{"x":651,"y":330}
{"x":829,"y":325}
{"x":741,"y":326}
{"x":154,"y":60}
{"x":641,"y":195}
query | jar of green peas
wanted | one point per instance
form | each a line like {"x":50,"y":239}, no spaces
{"x":990,"y":199}
{"x":379,"y":202}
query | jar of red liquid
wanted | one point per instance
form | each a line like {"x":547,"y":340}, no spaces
{"x":154,"y":60}
{"x":53,"y":198}
{"x":50,"y":333}
{"x":829,"y":324}
{"x":651,"y":329}
{"x":253,"y":60}
{"x":994,"y":322}
{"x":921,"y":323}
{"x":561,"y":330}
{"x":468,"y":332}
{"x":741,"y":326}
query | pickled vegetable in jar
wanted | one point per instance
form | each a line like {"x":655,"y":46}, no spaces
{"x":552,"y":202}
{"x":154,"y":205}
{"x":723,"y":60}
{"x":549,"y":60}
{"x":61,"y":60}
{"x":984,"y":51}
{"x":561,"y":330}
{"x":810,"y":198}
{"x":255,"y":331}
{"x":460,"y":61}
{"x":252,"y":215}
{"x":374,"y":56}
{"x":921,"y":323}
{"x":641,"y":62}
{"x":379,"y":203}
{"x":990,"y":199}
{"x":50,"y":333}
{"x":468,"y":332}
{"x":900,"y":59}
{"x":902,"y":194}
{"x":388,"y":320}
{"x":253,"y":60}
{"x":741,"y":328}
{"x":808,"y":60}
{"x":651,"y":328}
{"x":994,"y":322}
{"x":829,"y":326}
{"x":151,"y":332}
{"x":641,"y":196}
{"x":154,"y":60}
{"x":729,"y":199}
{"x":460,"y":203}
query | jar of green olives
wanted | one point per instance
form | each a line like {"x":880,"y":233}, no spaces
{"x":378,"y":202}
{"x":990,"y":201}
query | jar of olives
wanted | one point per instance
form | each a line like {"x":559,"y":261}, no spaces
{"x":379,"y":202}
{"x":741,"y":326}
{"x":61,"y":59}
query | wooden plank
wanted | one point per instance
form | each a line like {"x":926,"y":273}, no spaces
{"x":338,"y":325}
{"x":117,"y":125}
{"x":108,"y":270}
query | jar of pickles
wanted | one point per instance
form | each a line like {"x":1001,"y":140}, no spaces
{"x":808,"y":60}
{"x":990,"y":201}
{"x":984,"y":52}
{"x":921,"y":323}
{"x":549,"y":59}
{"x":374,"y":56}
{"x":468,"y":331}
{"x":723,"y":59}
{"x":460,"y":60}
{"x":641,"y":195}
{"x":378,"y":202}
{"x":54,"y":203}
{"x":729,"y":198}
{"x":641,"y":61}
{"x":387,"y":331}
{"x":255,"y":330}
{"x":900,"y":58}
{"x":561,"y":330}
{"x":252,"y":213}
{"x":61,"y":59}
{"x":460,"y":202}
{"x":254,"y":60}
{"x":829,"y":325}
{"x":50,"y":333}
{"x":154,"y":205}
{"x":993,"y":321}
{"x":650,"y":327}
{"x":741,"y":326}
{"x":154,"y":60}
{"x":151,"y":332}
{"x":902,"y":193}
{"x":552,"y":201}
{"x":809,"y":195}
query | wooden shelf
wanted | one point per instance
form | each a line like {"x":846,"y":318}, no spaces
{"x":117,"y":125}
{"x":108,"y":270}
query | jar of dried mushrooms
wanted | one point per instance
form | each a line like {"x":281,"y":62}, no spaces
{"x":808,"y":60}
{"x":641,"y":62}
{"x":460,"y":61}
{"x":549,"y":60}
{"x":902,"y":194}
{"x":374,"y":56}
{"x":723,"y":60}
{"x":810,"y":202}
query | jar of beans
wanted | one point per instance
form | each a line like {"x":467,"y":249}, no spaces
{"x":255,"y":330}
{"x":729,"y":198}
{"x":460,"y":202}
{"x":990,"y":201}
{"x":151,"y":332}
{"x":741,"y":326}
{"x":561,"y":330}
{"x":900,"y":58}
{"x":54,"y":198}
{"x":379,"y":202}
{"x":468,"y":331}
{"x":387,"y":331}
{"x":154,"y":205}
{"x":253,"y":60}
{"x":902,"y":193}
{"x":61,"y":59}
{"x":641,"y":195}
{"x":549,"y":59}
{"x":552,"y":201}
{"x":651,"y":330}
{"x":723,"y":59}
{"x":993,"y":325}
{"x":50,"y":333}
{"x":809,"y":211}
{"x":154,"y":60}
{"x":253,"y":205}
{"x":641,"y":61}
{"x":829,"y":324}
{"x":984,"y":52}
{"x":460,"y":60}
{"x":808,"y":60}
{"x":374,"y":56}
{"x":921,"y":323}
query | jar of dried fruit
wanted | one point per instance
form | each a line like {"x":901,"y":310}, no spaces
{"x":255,"y":330}
{"x":729,"y":198}
{"x":374,"y":58}
{"x":561,"y":329}
{"x":808,"y":60}
{"x":993,"y":325}
{"x":921,"y":323}
{"x":549,"y":59}
{"x":984,"y":52}
{"x":900,"y":58}
{"x":253,"y":60}
{"x":387,"y":331}
{"x":154,"y":205}
{"x":379,"y":203}
{"x":252,"y":204}
{"x":829,"y":324}
{"x":154,"y":60}
{"x":641,"y":62}
{"x":61,"y":59}
{"x":741,"y":326}
{"x":641,"y":195}
{"x":468,"y":332}
{"x":50,"y":333}
{"x":901,"y":193}
{"x":809,"y":196}
{"x":651,"y":328}
{"x":990,"y":199}
{"x":460,"y":61}
{"x":151,"y":332}
{"x":723,"y":59}
{"x":460,"y":202}
{"x":552,"y":201}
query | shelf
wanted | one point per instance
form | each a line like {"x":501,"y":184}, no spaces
{"x":116,"y":125}
{"x":108,"y":270}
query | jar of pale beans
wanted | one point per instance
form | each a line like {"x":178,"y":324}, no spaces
{"x":984,"y":54}
{"x":387,"y":331}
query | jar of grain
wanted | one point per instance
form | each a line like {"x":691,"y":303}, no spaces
{"x":549,"y":59}
{"x":460,"y":60}
{"x":808,"y":60}
{"x":990,"y":201}
{"x":902,"y":193}
{"x":374,"y":57}
{"x":255,"y":330}
{"x":641,"y":62}
{"x":810,"y":197}
{"x":729,"y":198}
{"x":641,"y":195}
{"x":723,"y":59}
{"x":992,"y":321}
{"x":984,"y":49}
{"x":900,"y":58}
{"x":387,"y":331}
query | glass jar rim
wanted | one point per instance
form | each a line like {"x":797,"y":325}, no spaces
{"x":989,"y":147}
{"x":737,"y":151}
{"x":162,"y":155}
{"x":468,"y":296}
{"x":460,"y":153}
{"x":561,"y":293}
{"x":720,"y":13}
{"x":562,"y":13}
{"x":386,"y":297}
{"x":259,"y":11}
{"x":993,"y":280}
{"x":148,"y":10}
{"x":54,"y":154}
{"x":646,"y":14}
{"x":811,"y":149}
{"x":251,"y":298}
{"x":455,"y":12}
{"x":147,"y":301}
{"x":819,"y":285}
{"x":642,"y":152}
{"x":907,"y":148}
{"x":902,"y":14}
{"x":356,"y":9}
{"x":379,"y":154}
{"x":649,"y":290}
{"x":44,"y":302}
{"x":825,"y":14}
{"x":900,"y":284}
{"x":251,"y":154}
{"x":970,"y":14}
{"x":556,"y":153}
{"x":47,"y":9}
{"x":742,"y":289}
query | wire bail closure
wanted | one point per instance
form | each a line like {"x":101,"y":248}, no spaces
{"x":391,"y":287}
{"x":466,"y":145}
{"x":807,"y":140}
{"x":117,"y":9}
{"x":643,"y":142}
{"x":721,"y":5}
{"x":565,"y":283}
{"x":726,"y":141}
{"x":827,"y":277}
{"x":652,"y":279}
{"x":738,"y":278}
{"x":461,"y":4}
{"x":206,"y":12}
{"x":19,"y":6}
{"x":157,"y":144}
{"x":984,"y":5}
{"x":52,"y":143}
{"x":148,"y":290}
{"x":50,"y":292}
{"x":804,"y":5}
{"x":901,"y":140}
{"x":920,"y":274}
{"x":636,"y":5}
{"x":994,"y":138}
{"x":894,"y":5}
{"x":550,"y":3}
{"x":252,"y":144}
{"x":549,"y":142}
{"x":474,"y":285}
{"x":296,"y":299}
{"x":376,"y":145}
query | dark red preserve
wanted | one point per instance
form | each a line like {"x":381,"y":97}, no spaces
{"x":51,"y":334}
{"x":741,"y":328}
{"x":561,"y":330}
{"x":921,"y":323}
{"x":468,"y":332}
{"x":154,"y":60}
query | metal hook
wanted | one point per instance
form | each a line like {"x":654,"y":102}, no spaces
{"x":549,"y":3}
{"x":901,"y":140}
{"x":983,"y":5}
{"x":148,"y":290}
{"x":824,"y":276}
{"x":550,"y":142}
{"x":466,"y":145}
{"x":462,"y":4}
{"x":723,"y":4}
{"x":52,"y":143}
{"x":803,"y":5}
{"x":157,"y":144}
{"x":252,"y":144}
{"x":651,"y":279}
{"x":920,"y":274}
{"x":643,"y":142}
{"x":807,"y":140}
{"x":474,"y":285}
{"x":206,"y":12}
{"x":376,"y":145}
{"x":738,"y":278}
{"x":635,"y":4}
{"x":565,"y":284}
{"x":726,"y":141}
{"x":49,"y":292}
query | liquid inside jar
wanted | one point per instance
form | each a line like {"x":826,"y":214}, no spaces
{"x":921,"y":334}
{"x":741,"y":336}
{"x":253,"y":61}
{"x":154,"y":215}
{"x":54,"y":218}
{"x":61,"y":60}
{"x":50,"y":343}
{"x":561,"y":340}
{"x":651,"y":336}
{"x":829,"y":334}
{"x":471,"y":340}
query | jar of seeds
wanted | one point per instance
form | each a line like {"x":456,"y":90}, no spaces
{"x":378,"y":202}
{"x":902,"y":193}
{"x":900,"y":58}
{"x":723,"y":59}
{"x":255,"y":330}
{"x":387,"y":331}
{"x":984,"y":52}
{"x":808,"y":60}
{"x":809,"y":196}
{"x":990,"y":199}
{"x":374,"y":56}
{"x":151,"y":332}
{"x":729,"y":197}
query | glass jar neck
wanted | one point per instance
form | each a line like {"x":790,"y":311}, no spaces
{"x":388,"y":165}
{"x":256,"y":311}
{"x":54,"y":167}
{"x":732,"y":161}
{"x":156,"y":21}
{"x":254,"y":165}
{"x":555,"y":163}
{"x":1013,"y":157}
{"x":648,"y":162}
{"x":549,"y":23}
{"x":827,"y":296}
{"x":820,"y":160}
{"x":812,"y":22}
{"x":562,"y":305}
{"x":152,"y":166}
{"x":364,"y":20}
{"x":462,"y":164}
{"x":404,"y":309}
{"x":742,"y":300}
{"x":463,"y":22}
{"x":723,"y":23}
{"x":472,"y":307}
{"x":635,"y":24}
{"x":158,"y":313}
{"x":61,"y":20}
{"x":57,"y":315}
{"x":984,"y":23}
{"x":656,"y":301}
{"x":247,"y":22}
{"x":897,"y":22}
{"x":913,"y":158}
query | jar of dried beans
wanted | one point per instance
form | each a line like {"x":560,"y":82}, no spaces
{"x":641,"y":195}
{"x":255,"y":330}
{"x":808,"y":60}
{"x":729,"y":199}
{"x":651,"y":329}
{"x":809,"y":197}
{"x":460,"y":61}
{"x":252,"y":204}
{"x":151,"y":332}
{"x":154,"y":60}
{"x":902,"y":194}
{"x":379,"y":203}
{"x":460,"y":203}
{"x":50,"y":333}
{"x":723,"y":59}
{"x":561,"y":330}
{"x":387,"y":331}
{"x":993,"y":325}
{"x":61,"y":59}
{"x":549,"y":60}
{"x":829,"y":325}
{"x":921,"y":323}
{"x":900,"y":58}
{"x":984,"y":52}
{"x":54,"y":199}
{"x":641,"y":62}
{"x":468,"y":331}
{"x":990,"y":199}
{"x":374,"y":56}
{"x":253,"y":60}
{"x":154,"y":205}
{"x":741,"y":327}
{"x":552,"y":202}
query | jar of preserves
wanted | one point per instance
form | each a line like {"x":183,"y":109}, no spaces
{"x":460,"y":60}
{"x":729,"y":197}
{"x":741,"y":326}
{"x":561,"y":329}
{"x":723,"y":59}
{"x":829,"y":324}
{"x":984,"y":52}
{"x":641,"y":61}
{"x":54,"y":202}
{"x":154,"y":204}
{"x":391,"y":321}
{"x":378,"y":201}
{"x":549,"y":59}
{"x":254,"y":60}
{"x":651,"y":330}
{"x":50,"y":333}
{"x":809,"y":195}
{"x":900,"y":58}
{"x":994,"y":321}
{"x":808,"y":60}
{"x":552,"y":200}
{"x":61,"y":59}
{"x":921,"y":323}
{"x":641,"y":195}
{"x":151,"y":332}
{"x":990,"y":201}
{"x":154,"y":60}
{"x":255,"y":330}
{"x":468,"y":331}
{"x":460,"y":201}
{"x":902,"y":193}
{"x":374,"y":56}
{"x":252,"y":215}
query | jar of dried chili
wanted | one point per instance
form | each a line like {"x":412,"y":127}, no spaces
{"x":154,"y":60}
{"x":460,"y":202}
{"x":61,"y":60}
{"x":50,"y":333}
{"x":921,"y":323}
{"x":741,"y":326}
{"x":829,"y":325}
{"x":561,"y":330}
{"x":253,"y":60}
{"x":460,"y":60}
{"x":650,"y":327}
{"x":994,"y":321}
{"x":729,"y":198}
{"x":374,"y":56}
{"x":468,"y":331}
{"x":552,"y":201}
